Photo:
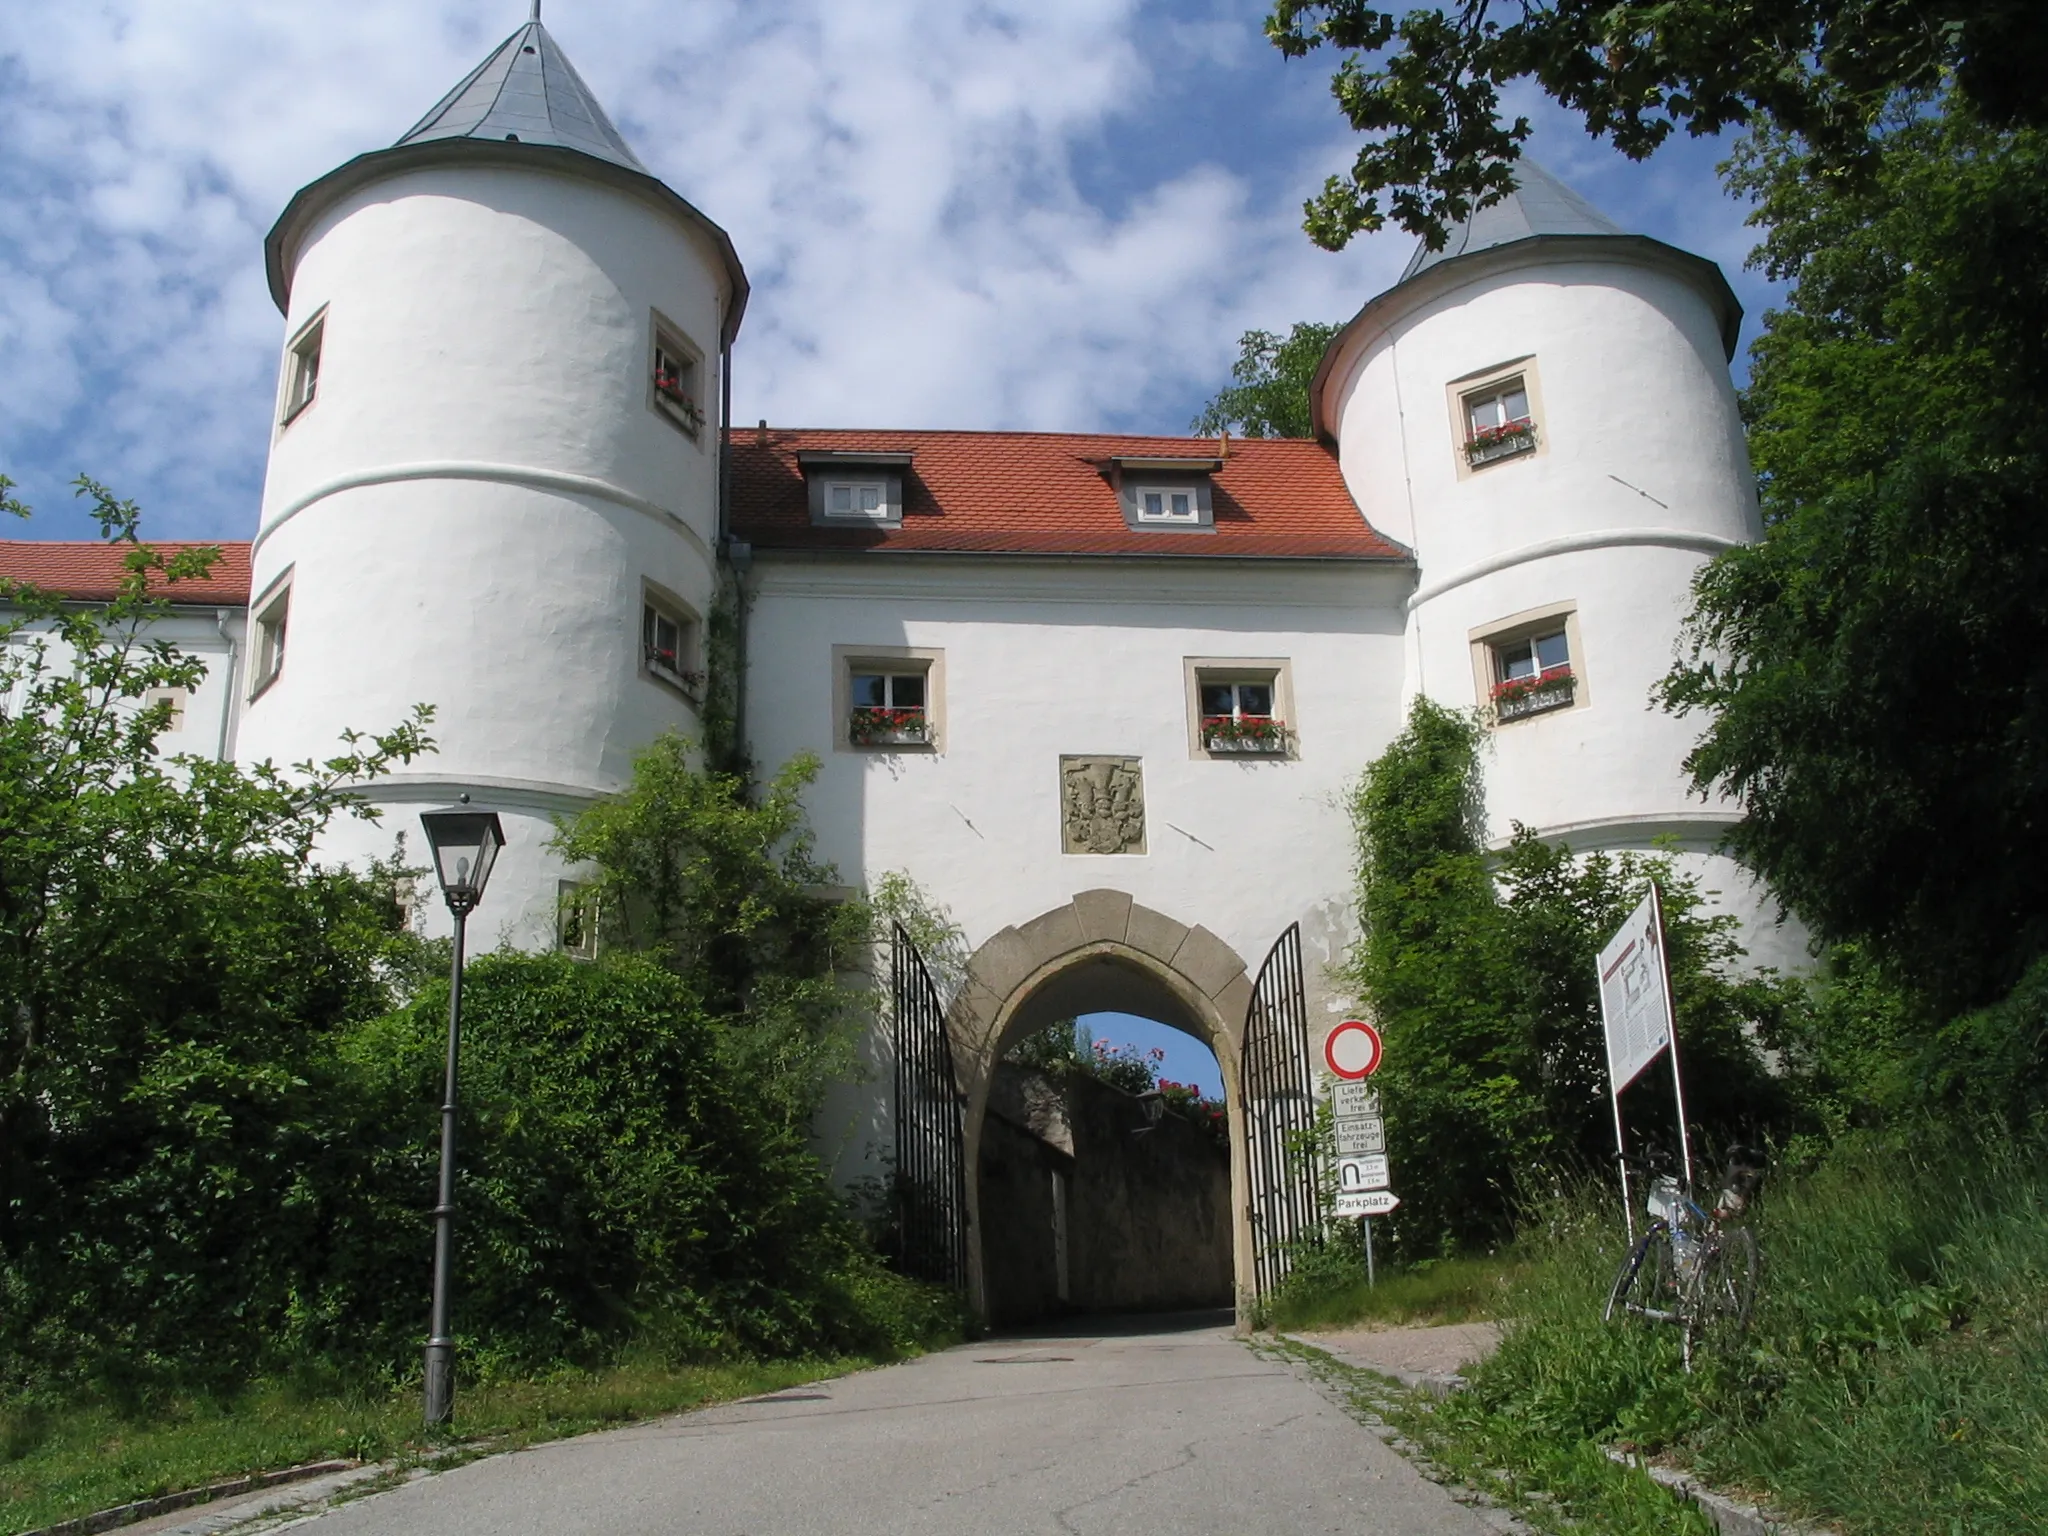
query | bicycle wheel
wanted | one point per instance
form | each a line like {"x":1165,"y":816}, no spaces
{"x":1727,"y":1292}
{"x":1646,"y":1285}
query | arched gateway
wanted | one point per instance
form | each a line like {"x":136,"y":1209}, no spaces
{"x":1102,"y":951}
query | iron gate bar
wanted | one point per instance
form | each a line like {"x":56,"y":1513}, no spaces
{"x":930,"y":1184}
{"x":1278,"y":1100}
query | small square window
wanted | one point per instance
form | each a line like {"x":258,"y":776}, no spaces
{"x":576,"y":919}
{"x":1498,"y":422}
{"x":862,"y":500}
{"x":666,"y":640}
{"x":266,"y":657}
{"x":1164,"y":504}
{"x":175,"y":698}
{"x":1239,"y":709}
{"x":677,"y":380}
{"x":1532,"y":675}
{"x":302,"y":368}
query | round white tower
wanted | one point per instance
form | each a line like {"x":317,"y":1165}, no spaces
{"x":493,"y":481}
{"x":1543,"y":411}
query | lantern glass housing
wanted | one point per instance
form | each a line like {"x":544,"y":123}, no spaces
{"x":465,"y":844}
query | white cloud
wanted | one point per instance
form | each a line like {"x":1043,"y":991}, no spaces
{"x":915,"y":187}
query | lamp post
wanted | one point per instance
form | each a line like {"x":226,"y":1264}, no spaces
{"x":465,"y":844}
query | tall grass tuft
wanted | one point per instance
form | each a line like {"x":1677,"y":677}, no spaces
{"x":1896,"y":1379}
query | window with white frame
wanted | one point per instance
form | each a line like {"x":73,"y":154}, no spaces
{"x":1167,"y":504}
{"x":1498,"y":422}
{"x":266,"y":656}
{"x":171,"y":699}
{"x":678,"y":379}
{"x":302,"y":368}
{"x":1532,"y":674}
{"x":667,"y":638}
{"x":1238,"y":715}
{"x":887,"y":705}
{"x":576,"y":919}
{"x":1239,"y":706}
{"x":859,"y":500}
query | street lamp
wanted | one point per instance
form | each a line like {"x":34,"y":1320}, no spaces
{"x":465,"y":844}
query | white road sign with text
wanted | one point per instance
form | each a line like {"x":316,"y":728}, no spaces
{"x":1635,"y":1002}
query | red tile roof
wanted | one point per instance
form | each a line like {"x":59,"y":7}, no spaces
{"x":92,"y":572}
{"x":1045,"y":493}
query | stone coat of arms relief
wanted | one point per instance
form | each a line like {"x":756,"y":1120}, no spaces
{"x":1102,"y":805}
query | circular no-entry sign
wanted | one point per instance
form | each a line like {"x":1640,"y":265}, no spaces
{"x":1353,"y":1049}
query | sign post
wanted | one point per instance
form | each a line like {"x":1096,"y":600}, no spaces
{"x":1639,"y":1021}
{"x":1353,"y":1052}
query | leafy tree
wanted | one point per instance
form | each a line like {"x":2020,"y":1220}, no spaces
{"x":1269,"y":397}
{"x":1873,"y":676}
{"x":1427,"y":83}
{"x":171,"y":958}
{"x":723,"y":886}
{"x":1480,"y":972}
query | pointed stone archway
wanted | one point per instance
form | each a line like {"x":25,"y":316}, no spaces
{"x":1102,"y":950}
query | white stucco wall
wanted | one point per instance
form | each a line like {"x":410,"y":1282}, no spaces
{"x":210,"y":635}
{"x":470,"y":506}
{"x":1641,"y":474}
{"x":1050,"y":657}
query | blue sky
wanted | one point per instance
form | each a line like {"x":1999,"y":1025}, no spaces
{"x":1051,"y":214}
{"x":1187,"y":1060}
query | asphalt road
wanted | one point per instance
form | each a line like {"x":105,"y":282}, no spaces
{"x":1167,"y":1425}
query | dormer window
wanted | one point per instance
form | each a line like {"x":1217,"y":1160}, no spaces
{"x":1159,"y":494}
{"x":854,"y":490}
{"x":1162,"y":505}
{"x":867,"y":500}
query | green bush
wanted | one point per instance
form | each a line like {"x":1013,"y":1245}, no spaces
{"x":1897,"y":1375}
{"x":623,"y":1178}
{"x":1479,"y":969}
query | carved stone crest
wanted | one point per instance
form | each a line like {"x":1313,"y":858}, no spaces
{"x":1102,"y":805}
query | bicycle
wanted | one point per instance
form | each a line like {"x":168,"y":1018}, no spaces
{"x":1693,"y":1267}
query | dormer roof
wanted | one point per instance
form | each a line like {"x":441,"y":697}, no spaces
{"x":526,"y":92}
{"x":1539,"y":205}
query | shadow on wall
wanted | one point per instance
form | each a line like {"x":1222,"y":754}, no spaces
{"x":1097,"y":1200}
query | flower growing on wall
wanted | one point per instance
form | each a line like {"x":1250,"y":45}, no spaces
{"x":1244,"y":733}
{"x":869,"y":726}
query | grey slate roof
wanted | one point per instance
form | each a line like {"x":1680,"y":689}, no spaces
{"x":526,"y":91}
{"x":1539,"y":205}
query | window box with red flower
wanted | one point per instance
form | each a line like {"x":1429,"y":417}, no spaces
{"x":1487,"y":444}
{"x":871,"y":726}
{"x":1244,"y":733}
{"x":1552,"y":688}
{"x":673,"y":395}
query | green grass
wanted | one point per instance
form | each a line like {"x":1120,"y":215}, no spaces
{"x":59,"y":1461}
{"x":1896,"y":1381}
{"x":1444,"y":1291}
{"x":1558,"y":1486}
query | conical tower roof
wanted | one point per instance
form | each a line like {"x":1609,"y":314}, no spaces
{"x":526,"y":92}
{"x":524,"y":107}
{"x":1539,"y":205}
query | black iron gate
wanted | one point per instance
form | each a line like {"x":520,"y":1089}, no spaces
{"x":930,"y":1219}
{"x":1278,"y":1101}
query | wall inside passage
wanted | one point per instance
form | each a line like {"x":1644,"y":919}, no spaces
{"x":470,"y":509}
